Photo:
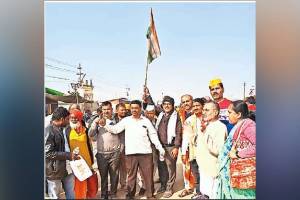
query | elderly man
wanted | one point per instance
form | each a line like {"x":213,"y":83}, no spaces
{"x":108,"y":152}
{"x":138,"y":133}
{"x":209,"y":145}
{"x":169,"y":130}
{"x":77,"y":137}
{"x":216,"y":89}
{"x":150,"y":114}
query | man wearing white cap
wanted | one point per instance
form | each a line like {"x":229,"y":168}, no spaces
{"x":150,"y":113}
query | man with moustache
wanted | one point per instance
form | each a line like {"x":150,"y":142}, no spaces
{"x":108,"y":152}
{"x":209,"y":146}
{"x":216,"y":89}
{"x":169,"y":130}
{"x":119,"y":115}
{"x":138,"y":133}
{"x":77,"y":137}
{"x":185,"y":111}
{"x":192,"y":128}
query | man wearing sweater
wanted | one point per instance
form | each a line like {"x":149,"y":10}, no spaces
{"x":108,"y":152}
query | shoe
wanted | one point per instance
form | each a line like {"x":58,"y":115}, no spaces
{"x":128,"y":197}
{"x":167,"y":194}
{"x":185,"y":193}
{"x":104,"y":197}
{"x":142,"y":191}
{"x":161,"y":190}
{"x":153,"y":197}
{"x":113,"y":196}
{"x":196,"y":195}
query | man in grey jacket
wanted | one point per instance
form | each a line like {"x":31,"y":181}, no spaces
{"x":108,"y":152}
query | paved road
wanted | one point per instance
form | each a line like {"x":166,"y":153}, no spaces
{"x":178,"y":186}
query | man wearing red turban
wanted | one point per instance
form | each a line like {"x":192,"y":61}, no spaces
{"x":78,"y":138}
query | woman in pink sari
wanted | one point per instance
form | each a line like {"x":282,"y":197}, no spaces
{"x":245,"y":148}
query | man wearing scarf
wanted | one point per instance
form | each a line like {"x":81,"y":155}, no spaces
{"x":169,"y":130}
{"x":77,"y":137}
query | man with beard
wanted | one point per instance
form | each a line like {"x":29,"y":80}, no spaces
{"x":138,"y":133}
{"x":56,"y":155}
{"x":77,"y":136}
{"x":108,"y":152}
{"x":209,"y":146}
{"x":216,"y":89}
{"x":169,"y":130}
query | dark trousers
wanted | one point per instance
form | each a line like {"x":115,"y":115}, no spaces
{"x":195,"y":171}
{"x":108,"y":163}
{"x":167,"y":170}
{"x":123,"y":173}
{"x":144,"y":163}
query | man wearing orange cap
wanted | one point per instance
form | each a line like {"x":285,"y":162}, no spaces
{"x":77,"y":137}
{"x":216,"y":89}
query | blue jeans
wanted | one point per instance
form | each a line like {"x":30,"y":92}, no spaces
{"x":55,"y":187}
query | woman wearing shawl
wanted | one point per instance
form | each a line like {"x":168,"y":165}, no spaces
{"x":246,"y":147}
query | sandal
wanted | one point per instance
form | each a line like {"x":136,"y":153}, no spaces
{"x":185,"y":193}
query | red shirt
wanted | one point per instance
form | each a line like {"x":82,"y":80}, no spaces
{"x":252,"y":107}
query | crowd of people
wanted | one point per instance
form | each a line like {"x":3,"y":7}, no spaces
{"x":214,"y":136}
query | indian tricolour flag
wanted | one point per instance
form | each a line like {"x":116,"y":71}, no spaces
{"x":152,"y":41}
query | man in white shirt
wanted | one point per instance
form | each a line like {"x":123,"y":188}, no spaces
{"x":138,"y":133}
{"x":209,"y":146}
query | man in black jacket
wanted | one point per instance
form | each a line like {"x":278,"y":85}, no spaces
{"x":55,"y":153}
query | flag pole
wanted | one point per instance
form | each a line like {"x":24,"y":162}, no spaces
{"x":146,"y":74}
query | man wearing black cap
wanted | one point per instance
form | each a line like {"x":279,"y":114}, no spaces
{"x":169,"y":130}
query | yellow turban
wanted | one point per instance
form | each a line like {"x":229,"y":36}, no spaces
{"x":214,"y":82}
{"x":127,"y":106}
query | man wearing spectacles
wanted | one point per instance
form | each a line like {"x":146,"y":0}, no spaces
{"x":169,"y":130}
{"x":208,"y":148}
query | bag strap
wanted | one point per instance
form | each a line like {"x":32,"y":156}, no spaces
{"x":239,"y":134}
